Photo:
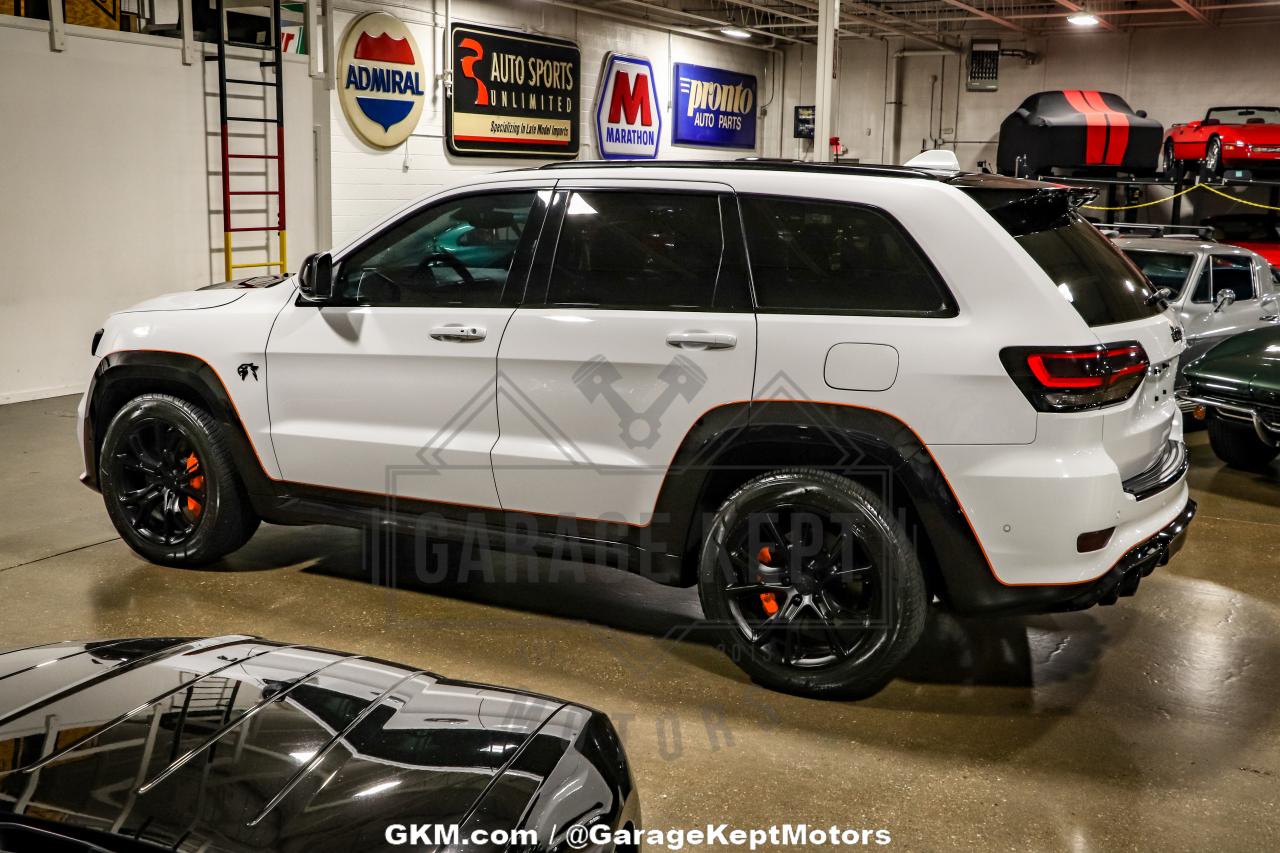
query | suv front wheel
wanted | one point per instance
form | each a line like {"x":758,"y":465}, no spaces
{"x":169,"y":484}
{"x":811,"y":584}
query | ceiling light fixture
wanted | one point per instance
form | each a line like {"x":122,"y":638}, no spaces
{"x":735,"y":32}
{"x":1083,"y":19}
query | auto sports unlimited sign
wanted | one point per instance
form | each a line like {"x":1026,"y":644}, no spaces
{"x":628,"y":117}
{"x":514,"y":95}
{"x":714,"y":107}
{"x":380,"y":81}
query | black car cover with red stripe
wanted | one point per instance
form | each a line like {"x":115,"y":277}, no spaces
{"x":1078,"y":129}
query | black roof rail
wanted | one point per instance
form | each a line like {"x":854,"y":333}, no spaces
{"x":761,"y":163}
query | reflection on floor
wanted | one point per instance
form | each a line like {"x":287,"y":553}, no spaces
{"x":1151,"y":724}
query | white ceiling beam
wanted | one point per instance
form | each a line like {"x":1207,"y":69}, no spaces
{"x":982,"y":13}
{"x":1185,"y":5}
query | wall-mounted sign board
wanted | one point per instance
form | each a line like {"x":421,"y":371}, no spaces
{"x":628,"y":115}
{"x":804,"y":122}
{"x":714,"y":107}
{"x":514,"y":94}
{"x":380,"y":83}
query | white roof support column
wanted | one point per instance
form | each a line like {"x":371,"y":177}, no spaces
{"x":825,"y":88}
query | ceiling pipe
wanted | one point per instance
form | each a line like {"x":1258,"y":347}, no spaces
{"x":666,"y":28}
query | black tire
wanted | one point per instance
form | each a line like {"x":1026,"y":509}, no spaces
{"x":1213,"y":157}
{"x":169,"y":484}
{"x":871,"y":593}
{"x":1238,"y":444}
{"x":1170,"y":168}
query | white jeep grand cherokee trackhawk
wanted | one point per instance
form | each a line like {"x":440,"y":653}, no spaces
{"x":827,"y":395}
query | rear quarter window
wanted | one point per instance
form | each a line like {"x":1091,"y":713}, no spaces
{"x":837,"y":258}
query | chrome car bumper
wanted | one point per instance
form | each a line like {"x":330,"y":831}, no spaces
{"x":1267,"y":427}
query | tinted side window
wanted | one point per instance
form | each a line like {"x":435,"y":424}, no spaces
{"x":643,"y":250}
{"x":458,"y":252}
{"x":831,"y":258}
{"x":1226,"y":273}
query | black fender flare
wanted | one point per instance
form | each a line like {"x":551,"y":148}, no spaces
{"x":120,"y":376}
{"x":850,"y":440}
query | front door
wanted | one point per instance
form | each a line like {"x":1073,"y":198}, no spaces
{"x":638,"y":321}
{"x":391,"y":391}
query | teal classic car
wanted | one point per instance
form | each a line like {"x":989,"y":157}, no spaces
{"x":1238,"y":384}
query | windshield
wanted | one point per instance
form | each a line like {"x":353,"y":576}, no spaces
{"x":1245,"y":115}
{"x":1163,"y":269}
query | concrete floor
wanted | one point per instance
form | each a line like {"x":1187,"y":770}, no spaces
{"x":1154,"y":724}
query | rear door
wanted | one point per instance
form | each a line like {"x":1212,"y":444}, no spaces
{"x":636,"y":322}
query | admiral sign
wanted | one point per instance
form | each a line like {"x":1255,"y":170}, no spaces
{"x":628,"y":118}
{"x":714,"y":107}
{"x":514,"y":95}
{"x":380,"y":79}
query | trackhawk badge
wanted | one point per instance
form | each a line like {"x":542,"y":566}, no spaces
{"x":1175,"y":331}
{"x":245,"y":369}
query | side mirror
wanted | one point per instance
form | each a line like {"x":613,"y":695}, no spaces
{"x":315,"y":278}
{"x":1225,"y":298}
{"x":1271,"y":308}
{"x":1141,"y":113}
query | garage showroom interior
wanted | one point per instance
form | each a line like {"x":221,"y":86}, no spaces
{"x":639,"y":425}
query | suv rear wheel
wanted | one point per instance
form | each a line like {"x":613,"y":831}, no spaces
{"x":1238,"y":444}
{"x":169,"y":484}
{"x":811,"y":584}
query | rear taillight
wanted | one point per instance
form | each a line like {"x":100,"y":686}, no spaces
{"x":1073,"y":379}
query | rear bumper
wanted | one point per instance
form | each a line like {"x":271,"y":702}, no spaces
{"x":1125,"y":576}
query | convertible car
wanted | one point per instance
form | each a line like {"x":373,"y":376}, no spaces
{"x":1077,"y":130}
{"x":239,"y":744}
{"x":1226,"y":138}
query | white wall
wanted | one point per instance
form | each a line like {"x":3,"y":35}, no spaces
{"x":1174,"y":74}
{"x":368,"y":183}
{"x":109,"y":190}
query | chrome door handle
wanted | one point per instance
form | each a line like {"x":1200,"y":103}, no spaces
{"x":457,"y":332}
{"x":702,"y":340}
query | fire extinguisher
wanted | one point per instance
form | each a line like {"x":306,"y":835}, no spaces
{"x":837,"y":150}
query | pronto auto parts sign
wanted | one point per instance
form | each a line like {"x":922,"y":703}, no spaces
{"x":514,"y":95}
{"x":380,"y":83}
{"x":714,"y":107}
{"x":628,"y":116}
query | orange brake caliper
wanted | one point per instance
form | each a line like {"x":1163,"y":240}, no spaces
{"x":767,"y":599}
{"x":197,"y":483}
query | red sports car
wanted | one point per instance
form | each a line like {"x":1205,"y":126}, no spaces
{"x":1226,"y":138}
{"x":1258,"y":232}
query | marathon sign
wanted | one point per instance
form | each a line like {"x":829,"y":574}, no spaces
{"x":628,"y":116}
{"x":714,"y":107}
{"x":514,"y":94}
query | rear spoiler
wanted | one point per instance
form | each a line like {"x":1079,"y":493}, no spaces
{"x":1029,"y":207}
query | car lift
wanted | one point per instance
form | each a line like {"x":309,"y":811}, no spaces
{"x":1119,"y":188}
{"x":275,"y":63}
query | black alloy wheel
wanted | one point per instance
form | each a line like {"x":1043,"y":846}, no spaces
{"x":169,"y":484}
{"x":161,"y":486}
{"x":812,"y":584}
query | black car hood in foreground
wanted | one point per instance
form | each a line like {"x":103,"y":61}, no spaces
{"x":239,"y":744}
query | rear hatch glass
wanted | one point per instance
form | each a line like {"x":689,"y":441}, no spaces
{"x":1093,"y":275}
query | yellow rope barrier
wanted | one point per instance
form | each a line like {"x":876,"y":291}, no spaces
{"x":1237,"y":200}
{"x":1227,"y":196}
{"x":1143,"y":204}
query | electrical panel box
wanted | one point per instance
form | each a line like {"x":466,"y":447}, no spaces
{"x":984,"y":66}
